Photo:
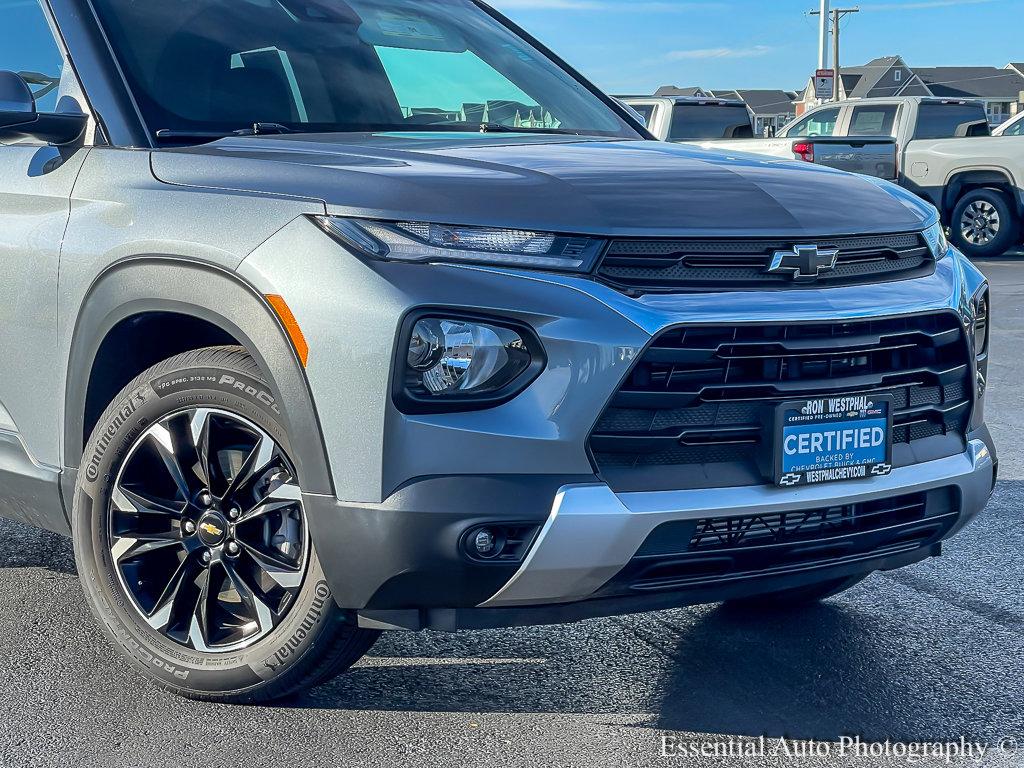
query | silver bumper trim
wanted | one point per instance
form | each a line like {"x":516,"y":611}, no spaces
{"x":592,"y":532}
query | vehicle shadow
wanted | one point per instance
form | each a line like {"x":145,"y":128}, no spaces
{"x":815,"y":674}
{"x":930,"y":653}
{"x":22,"y":546}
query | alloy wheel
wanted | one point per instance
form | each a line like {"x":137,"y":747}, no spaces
{"x":980,"y":223}
{"x":207,"y":530}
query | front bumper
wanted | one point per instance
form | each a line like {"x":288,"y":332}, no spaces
{"x":588,"y":536}
{"x":593,"y":533}
{"x":407,"y":487}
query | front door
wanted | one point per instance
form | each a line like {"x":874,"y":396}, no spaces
{"x":36,"y":181}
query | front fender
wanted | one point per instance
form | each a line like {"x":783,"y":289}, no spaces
{"x":155,"y":283}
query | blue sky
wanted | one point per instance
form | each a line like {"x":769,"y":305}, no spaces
{"x":636,"y":45}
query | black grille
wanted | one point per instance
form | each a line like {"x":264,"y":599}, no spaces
{"x":695,"y":553}
{"x":650,"y":266}
{"x":697,"y":410}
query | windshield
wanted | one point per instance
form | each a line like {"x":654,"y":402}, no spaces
{"x":710,"y":121}
{"x":341,"y":65}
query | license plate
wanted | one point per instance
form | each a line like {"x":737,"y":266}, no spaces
{"x":833,"y":438}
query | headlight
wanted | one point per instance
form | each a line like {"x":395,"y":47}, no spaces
{"x":420,"y":242}
{"x":937,"y":242}
{"x":458,"y":364}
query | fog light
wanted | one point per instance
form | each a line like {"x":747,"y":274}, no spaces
{"x":498,"y":543}
{"x":484,"y":542}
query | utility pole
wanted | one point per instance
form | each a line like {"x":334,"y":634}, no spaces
{"x":837,"y":16}
{"x":823,"y":35}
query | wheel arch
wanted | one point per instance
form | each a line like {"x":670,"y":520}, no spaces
{"x":216,"y":305}
{"x":962,"y":182}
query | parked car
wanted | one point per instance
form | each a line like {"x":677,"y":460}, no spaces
{"x":942,"y":152}
{"x":323,"y":318}
{"x":689,"y":118}
{"x":1012,"y":127}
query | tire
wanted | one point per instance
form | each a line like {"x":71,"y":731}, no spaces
{"x":790,"y":599}
{"x":984,"y":224}
{"x":269,"y":626}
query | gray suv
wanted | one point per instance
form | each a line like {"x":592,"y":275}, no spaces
{"x":328,"y":317}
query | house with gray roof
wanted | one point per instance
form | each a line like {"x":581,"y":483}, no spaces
{"x":881,"y":77}
{"x":770,"y":109}
{"x":693,"y":91}
{"x":1001,"y":90}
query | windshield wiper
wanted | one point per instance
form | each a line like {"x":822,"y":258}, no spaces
{"x":257,"y":129}
{"x":170,"y":134}
{"x":263,"y":129}
{"x":499,"y":128}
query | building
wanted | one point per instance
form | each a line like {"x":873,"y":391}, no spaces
{"x":770,"y":109}
{"x":885,"y":76}
{"x":1002,"y":90}
{"x":673,"y":90}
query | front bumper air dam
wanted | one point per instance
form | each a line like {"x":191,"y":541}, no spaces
{"x":591,"y":534}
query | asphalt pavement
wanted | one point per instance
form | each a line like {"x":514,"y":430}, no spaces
{"x":933,"y":653}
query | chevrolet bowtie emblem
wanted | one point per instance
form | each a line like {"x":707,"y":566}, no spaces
{"x":804,"y":262}
{"x":211,"y":529}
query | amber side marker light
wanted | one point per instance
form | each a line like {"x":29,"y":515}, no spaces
{"x":291,"y":325}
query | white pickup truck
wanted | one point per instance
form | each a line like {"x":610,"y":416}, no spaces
{"x":940,"y":149}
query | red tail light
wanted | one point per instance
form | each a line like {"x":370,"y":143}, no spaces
{"x":804,"y":150}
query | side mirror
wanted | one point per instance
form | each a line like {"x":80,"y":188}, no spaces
{"x":19,"y":119}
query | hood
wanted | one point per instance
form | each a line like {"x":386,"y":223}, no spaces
{"x":550,"y":183}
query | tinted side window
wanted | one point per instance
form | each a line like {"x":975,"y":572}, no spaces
{"x":821,"y":123}
{"x":646,"y":111}
{"x":1015,"y":129}
{"x":710,"y":121}
{"x":28,"y":48}
{"x":948,"y":121}
{"x":873,"y":121}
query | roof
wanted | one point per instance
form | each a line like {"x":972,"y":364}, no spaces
{"x":873,"y":80}
{"x":764,"y":101}
{"x":727,"y":98}
{"x":870,"y":75}
{"x":911,"y":99}
{"x":972,"y":82}
{"x":851,"y":77}
{"x":672,"y":90}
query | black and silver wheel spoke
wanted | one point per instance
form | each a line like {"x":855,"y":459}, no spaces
{"x":281,"y":495}
{"x":161,"y":615}
{"x":202,"y":619}
{"x":260,"y":458}
{"x":131,"y":547}
{"x":255,"y":607}
{"x":207,"y":530}
{"x":283,"y":572}
{"x":131,"y":501}
{"x":160,"y":436}
{"x":199,"y":429}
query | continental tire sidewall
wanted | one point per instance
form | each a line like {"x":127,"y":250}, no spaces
{"x":143,"y":403}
